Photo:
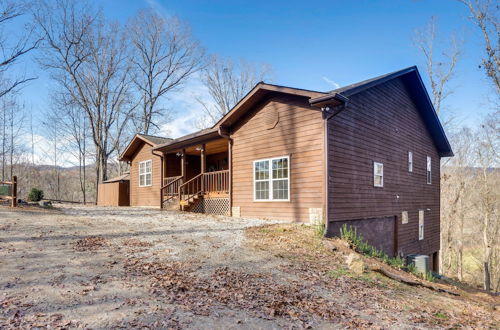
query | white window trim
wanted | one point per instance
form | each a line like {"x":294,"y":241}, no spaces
{"x":428,"y":170}
{"x":410,"y":161}
{"x":421,"y":225}
{"x":271,"y":180}
{"x":139,"y":170}
{"x":374,"y":174}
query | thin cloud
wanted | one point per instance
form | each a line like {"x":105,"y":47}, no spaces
{"x":331,"y":82}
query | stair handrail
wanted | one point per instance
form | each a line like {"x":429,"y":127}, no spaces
{"x":196,"y":185}
{"x":170,"y":184}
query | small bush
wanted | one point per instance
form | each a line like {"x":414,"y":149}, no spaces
{"x":319,"y":230}
{"x":35,"y":195}
{"x":4,"y":190}
{"x":356,"y":240}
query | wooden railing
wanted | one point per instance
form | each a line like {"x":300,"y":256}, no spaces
{"x":8,"y":190}
{"x":191,"y":188}
{"x":170,"y":188}
{"x":216,"y":182}
{"x":210,"y":182}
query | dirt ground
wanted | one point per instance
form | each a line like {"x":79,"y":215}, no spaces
{"x":94,"y":267}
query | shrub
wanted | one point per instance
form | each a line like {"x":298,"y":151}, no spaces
{"x":35,"y":195}
{"x":4,"y":190}
{"x":350,"y":235}
{"x":319,"y":230}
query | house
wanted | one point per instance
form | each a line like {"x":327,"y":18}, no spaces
{"x":144,"y":187}
{"x":366,"y":155}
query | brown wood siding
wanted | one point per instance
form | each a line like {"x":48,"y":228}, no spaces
{"x":298,"y":134}
{"x":145,"y":196}
{"x":173,"y":165}
{"x":114,"y":194}
{"x":382,"y":124}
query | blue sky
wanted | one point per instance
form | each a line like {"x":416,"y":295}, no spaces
{"x":312,"y":44}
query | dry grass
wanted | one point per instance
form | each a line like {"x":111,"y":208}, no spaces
{"x":322,"y":262}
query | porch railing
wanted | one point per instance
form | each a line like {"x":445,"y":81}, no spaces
{"x":216,"y":182}
{"x":191,"y":188}
{"x":209,"y":182}
{"x":170,"y":188}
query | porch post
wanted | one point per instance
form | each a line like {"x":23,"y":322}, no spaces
{"x":230,"y":168}
{"x":162,"y":164}
{"x":203,"y":166}
{"x":183,"y":165}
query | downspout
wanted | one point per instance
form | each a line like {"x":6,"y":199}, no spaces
{"x":225,"y":134}
{"x":328,"y":112}
{"x":161,"y":177}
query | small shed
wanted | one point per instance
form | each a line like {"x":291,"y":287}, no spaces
{"x":115,"y":192}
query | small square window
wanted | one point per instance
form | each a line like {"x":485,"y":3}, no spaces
{"x":378,"y":174}
{"x":404,"y":217}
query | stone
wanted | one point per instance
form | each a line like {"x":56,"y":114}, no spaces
{"x":44,"y":203}
{"x":355,"y":263}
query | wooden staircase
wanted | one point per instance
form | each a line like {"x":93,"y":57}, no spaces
{"x":194,"y":190}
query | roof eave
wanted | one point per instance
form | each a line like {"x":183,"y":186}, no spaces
{"x":188,"y":142}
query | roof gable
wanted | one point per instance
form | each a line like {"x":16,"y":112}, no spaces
{"x":413,"y":82}
{"x":255,"y":95}
{"x":137,"y":141}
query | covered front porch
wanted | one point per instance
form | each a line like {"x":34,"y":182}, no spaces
{"x":196,"y":175}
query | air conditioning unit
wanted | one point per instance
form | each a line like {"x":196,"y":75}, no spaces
{"x":420,"y":261}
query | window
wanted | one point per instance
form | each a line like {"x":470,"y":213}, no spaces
{"x":145,"y":173}
{"x":410,"y":161}
{"x":429,"y":174}
{"x":272,"y":179}
{"x":404,"y":217}
{"x":420,"y":224}
{"x":378,"y":174}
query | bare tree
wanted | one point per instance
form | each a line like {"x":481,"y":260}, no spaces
{"x":89,"y":60}
{"x":13,"y":48}
{"x":227,"y":83}
{"x":440,"y":62}
{"x":486,"y":15}
{"x":73,"y":125}
{"x":488,"y":193}
{"x":165,"y":56}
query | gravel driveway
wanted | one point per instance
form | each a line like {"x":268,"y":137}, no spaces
{"x":65,"y":267}
{"x":94,"y":267}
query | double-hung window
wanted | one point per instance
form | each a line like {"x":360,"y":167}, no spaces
{"x":429,"y":170}
{"x":378,"y":174}
{"x":145,"y":173}
{"x":410,"y":161}
{"x":272,"y":179}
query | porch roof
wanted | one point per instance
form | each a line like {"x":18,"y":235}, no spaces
{"x":189,"y":140}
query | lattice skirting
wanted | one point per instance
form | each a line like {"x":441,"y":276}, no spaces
{"x":219,"y":206}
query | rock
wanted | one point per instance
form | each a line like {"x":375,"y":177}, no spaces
{"x":355,"y":263}
{"x":44,"y":203}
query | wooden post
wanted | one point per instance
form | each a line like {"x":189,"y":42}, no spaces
{"x":230,"y":168}
{"x":203,"y":167}
{"x":162,"y":159}
{"x":183,"y":165}
{"x":183,"y":175}
{"x":14,"y":191}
